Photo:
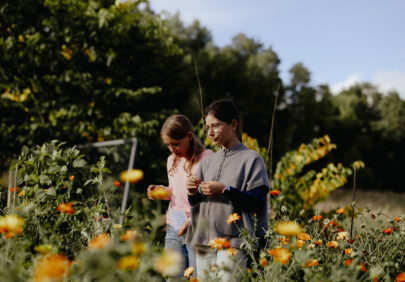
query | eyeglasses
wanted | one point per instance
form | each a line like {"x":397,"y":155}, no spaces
{"x":213,"y":127}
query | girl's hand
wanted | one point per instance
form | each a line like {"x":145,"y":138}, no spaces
{"x":184,"y":228}
{"x":192,"y":183}
{"x":150,"y":189}
{"x":212,"y":188}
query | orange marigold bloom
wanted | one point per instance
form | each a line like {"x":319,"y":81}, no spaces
{"x":318,"y":242}
{"x":304,"y":236}
{"x":388,"y":231}
{"x":263,"y":262}
{"x":300,"y":243}
{"x":348,"y":262}
{"x":340,"y":211}
{"x":332,"y":223}
{"x":363,"y":267}
{"x":51,"y":268}
{"x":11,"y":224}
{"x":311,"y":263}
{"x":348,"y":251}
{"x":66,"y":208}
{"x":72,"y":177}
{"x":219,"y":243}
{"x":317,"y":217}
{"x":400,"y":277}
{"x":99,"y":241}
{"x":233,"y":218}
{"x":232,"y":251}
{"x":281,"y":255}
{"x":130,"y":234}
{"x":193,"y":279}
{"x":284,"y":240}
{"x":22,"y":193}
{"x":274,"y":192}
{"x":397,"y":219}
{"x":333,"y":244}
{"x":117,"y":184}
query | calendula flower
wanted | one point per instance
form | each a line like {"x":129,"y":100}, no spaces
{"x":44,"y":249}
{"x":274,"y":192}
{"x":159,"y":192}
{"x":72,"y":177}
{"x":232,"y":252}
{"x":66,"y":208}
{"x":363,"y":267}
{"x":288,"y":228}
{"x":188,"y":272}
{"x":332,"y":223}
{"x":318,"y":242}
{"x":169,"y":263}
{"x":117,"y":184}
{"x":311,"y":263}
{"x":280,"y":255}
{"x":348,"y":262}
{"x":128,"y":262}
{"x":304,"y":236}
{"x":99,"y":241}
{"x":340,"y":211}
{"x":138,"y":248}
{"x":400,"y":277}
{"x":263,"y":262}
{"x":317,"y":217}
{"x":128,"y":235}
{"x":388,"y":231}
{"x":341,"y":235}
{"x":300,"y":243}
{"x":219,"y":243}
{"x":133,"y":176}
{"x":284,"y":240}
{"x":397,"y":219}
{"x":348,"y":251}
{"x":51,"y":268}
{"x":233,"y":218}
{"x":10,"y":225}
{"x":333,"y":244}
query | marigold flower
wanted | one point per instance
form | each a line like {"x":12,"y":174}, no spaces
{"x":263,"y":262}
{"x":22,"y":193}
{"x":51,"y":268}
{"x":388,"y":231}
{"x":333,"y":244}
{"x":232,"y":252}
{"x":363,"y":267}
{"x":288,"y":228}
{"x":280,"y":255}
{"x":117,"y":184}
{"x":129,"y":234}
{"x":300,"y":243}
{"x":188,"y":272}
{"x":318,"y":242}
{"x":159,"y":192}
{"x":341,"y":235}
{"x":284,"y":240}
{"x":219,"y":243}
{"x":65,"y":208}
{"x":72,"y":177}
{"x":99,"y":241}
{"x":340,"y":211}
{"x":348,"y":262}
{"x":233,"y":218}
{"x":10,"y":225}
{"x":128,"y":262}
{"x":397,"y":219}
{"x":274,"y":192}
{"x":332,"y":223}
{"x":133,"y":176}
{"x":400,"y":277}
{"x":317,"y":217}
{"x":169,"y":263}
{"x":348,"y":251}
{"x":304,"y":236}
{"x":311,"y":263}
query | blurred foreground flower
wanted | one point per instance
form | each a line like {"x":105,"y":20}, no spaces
{"x":99,"y":241}
{"x":160,"y":192}
{"x":233,"y":218}
{"x":188,"y":272}
{"x":128,"y":262}
{"x":169,"y":263}
{"x":128,"y":235}
{"x":281,"y":255}
{"x":10,"y":225}
{"x":51,"y":268}
{"x":340,"y":211}
{"x":219,"y":243}
{"x":66,"y":208}
{"x":288,"y":228}
{"x":133,"y":176}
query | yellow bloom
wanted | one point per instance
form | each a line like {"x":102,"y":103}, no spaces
{"x":128,"y":262}
{"x":133,"y":176}
{"x":311,"y":263}
{"x":300,"y":243}
{"x":51,"y":268}
{"x":233,"y":218}
{"x":341,"y":235}
{"x":138,"y":248}
{"x":288,"y":228}
{"x":44,"y":249}
{"x":99,"y":241}
{"x":281,"y":255}
{"x":188,"y":272}
{"x":159,"y":192}
{"x":169,"y":263}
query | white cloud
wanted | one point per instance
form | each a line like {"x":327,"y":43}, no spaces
{"x":390,"y":80}
{"x":350,"y":81}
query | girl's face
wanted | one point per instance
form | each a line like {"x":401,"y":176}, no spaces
{"x":181,"y":147}
{"x":220,"y":132}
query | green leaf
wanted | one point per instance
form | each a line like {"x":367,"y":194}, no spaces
{"x":51,"y":191}
{"x":79,"y":163}
{"x":44,"y":179}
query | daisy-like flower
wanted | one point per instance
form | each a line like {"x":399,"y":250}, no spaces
{"x":117,"y":184}
{"x":341,"y":236}
{"x":332,"y":224}
{"x":233,"y":218}
{"x":263,"y":262}
{"x":169,"y":263}
{"x":340,"y":211}
{"x":128,"y":262}
{"x":304,"y":236}
{"x":288,"y":228}
{"x":66,"y":208}
{"x":219,"y":243}
{"x":99,"y":241}
{"x":232,"y":251}
{"x":188,"y":272}
{"x":348,"y":251}
{"x":388,"y":231}
{"x":333,"y":244}
{"x":274,"y":192}
{"x":317,"y":217}
{"x":311,"y":246}
{"x":318,"y":242}
{"x":51,"y":268}
{"x":280,"y":255}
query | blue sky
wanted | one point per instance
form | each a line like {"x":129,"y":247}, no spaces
{"x":340,"y":42}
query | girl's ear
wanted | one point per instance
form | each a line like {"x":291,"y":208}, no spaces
{"x":190,"y":135}
{"x":234,"y":124}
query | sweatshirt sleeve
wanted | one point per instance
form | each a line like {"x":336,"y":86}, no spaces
{"x":252,"y":200}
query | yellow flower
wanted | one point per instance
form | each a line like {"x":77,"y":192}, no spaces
{"x":51,"y":268}
{"x":133,"y":176}
{"x":288,"y":228}
{"x":340,"y":211}
{"x":99,"y":241}
{"x":169,"y":263}
{"x":219,"y":243}
{"x":341,"y":235}
{"x":188,"y":272}
{"x":159,"y":192}
{"x":128,"y":262}
{"x":232,"y":252}
{"x":11,"y":224}
{"x":44,"y":249}
{"x":333,"y":244}
{"x":138,"y":248}
{"x":281,"y":255}
{"x":233,"y":218}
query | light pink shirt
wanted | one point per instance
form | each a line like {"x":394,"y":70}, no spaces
{"x":177,"y":186}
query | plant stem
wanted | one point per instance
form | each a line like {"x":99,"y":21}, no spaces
{"x":353,"y":202}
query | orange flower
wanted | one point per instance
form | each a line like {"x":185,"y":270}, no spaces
{"x":12,"y":189}
{"x":99,"y":241}
{"x":311,"y":263}
{"x":66,"y":208}
{"x":193,"y":279}
{"x":400,"y":277}
{"x":233,"y":218}
{"x":300,"y":243}
{"x":232,"y":252}
{"x":348,"y":251}
{"x":263,"y":262}
{"x":318,"y":242}
{"x":117,"y":184}
{"x":363,"y":267}
{"x":348,"y":262}
{"x":332,"y":223}
{"x":388,"y":231}
{"x":281,"y":255}
{"x":51,"y":268}
{"x":72,"y":177}
{"x":340,"y":211}
{"x":284,"y":240}
{"x":160,"y":192}
{"x":274,"y":192}
{"x":304,"y":236}
{"x":317,"y":217}
{"x":219,"y":243}
{"x":333,"y":244}
{"x":10,"y":225}
{"x":397,"y":219}
{"x":22,"y":193}
{"x":130,"y":234}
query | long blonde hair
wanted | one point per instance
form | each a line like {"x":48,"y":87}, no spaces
{"x":177,"y":127}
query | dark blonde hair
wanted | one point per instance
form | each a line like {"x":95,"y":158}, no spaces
{"x":177,"y":127}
